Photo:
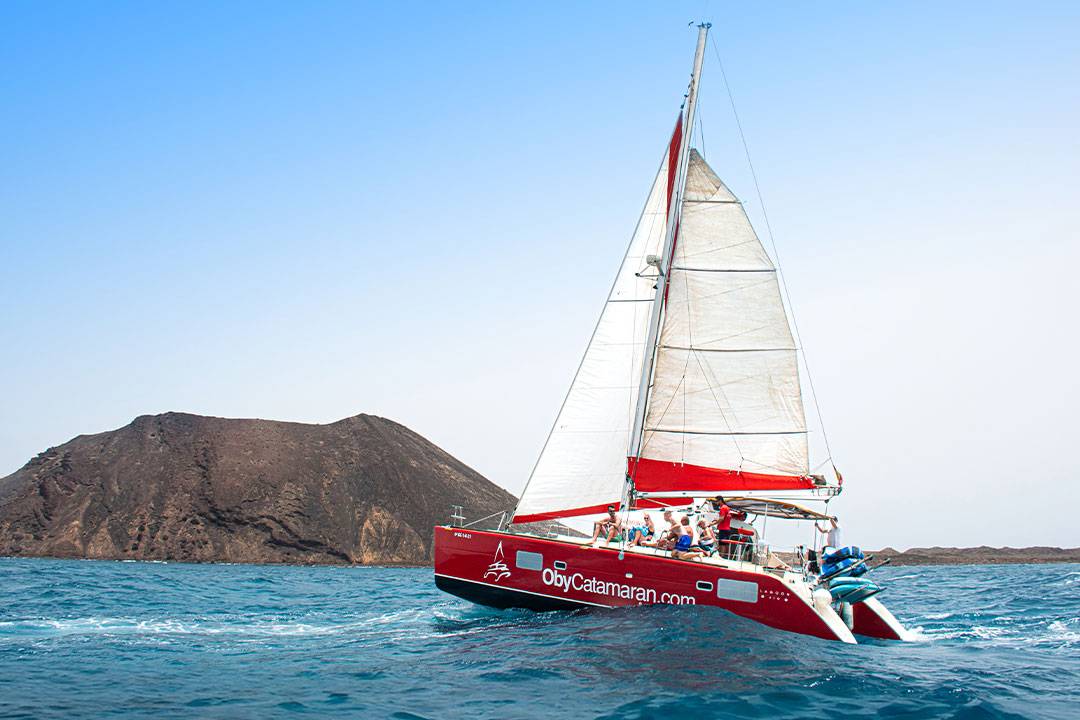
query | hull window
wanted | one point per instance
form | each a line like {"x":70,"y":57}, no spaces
{"x":704,"y":585}
{"x":559,"y":565}
{"x":529,"y":560}
{"x":739,"y":590}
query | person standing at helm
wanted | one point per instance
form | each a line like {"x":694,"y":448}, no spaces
{"x":832,"y":533}
{"x":723,"y":519}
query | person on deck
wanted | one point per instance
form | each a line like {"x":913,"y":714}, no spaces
{"x":609,"y":526}
{"x":684,"y":545}
{"x":667,"y":539}
{"x":669,"y":518}
{"x":672,"y":521}
{"x":832,"y":533}
{"x":723,"y":519}
{"x":706,"y":537}
{"x":643,"y":534}
{"x":722,"y":525}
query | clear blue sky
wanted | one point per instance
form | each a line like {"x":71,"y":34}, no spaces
{"x":303,"y":211}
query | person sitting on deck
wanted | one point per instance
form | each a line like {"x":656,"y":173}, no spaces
{"x":684,"y":549}
{"x":609,"y":526}
{"x":706,"y":538}
{"x":643,"y":534}
{"x":669,"y":518}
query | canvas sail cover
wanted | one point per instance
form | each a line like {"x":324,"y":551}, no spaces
{"x":725,"y":410}
{"x":582,"y":467}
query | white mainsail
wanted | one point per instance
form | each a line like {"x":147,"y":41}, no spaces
{"x":582,"y":467}
{"x":725,"y":393}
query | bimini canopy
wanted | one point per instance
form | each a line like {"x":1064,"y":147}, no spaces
{"x":775,"y":508}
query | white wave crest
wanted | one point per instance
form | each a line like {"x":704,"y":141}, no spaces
{"x":399,"y":622}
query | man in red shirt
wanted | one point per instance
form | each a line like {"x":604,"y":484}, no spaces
{"x":723,"y":521}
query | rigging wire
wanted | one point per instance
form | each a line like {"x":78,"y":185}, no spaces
{"x":776,"y":253}
{"x":701,"y":132}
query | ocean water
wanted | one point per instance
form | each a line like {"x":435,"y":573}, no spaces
{"x":142,"y":640}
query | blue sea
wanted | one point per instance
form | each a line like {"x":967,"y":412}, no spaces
{"x":83,"y":639}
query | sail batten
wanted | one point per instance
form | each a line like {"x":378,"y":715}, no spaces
{"x":722,"y":350}
{"x":720,"y":270}
{"x":692,"y":431}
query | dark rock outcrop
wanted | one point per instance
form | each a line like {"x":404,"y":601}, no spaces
{"x":186,"y":487}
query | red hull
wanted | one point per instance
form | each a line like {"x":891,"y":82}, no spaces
{"x":506,"y":570}
{"x":870,"y":618}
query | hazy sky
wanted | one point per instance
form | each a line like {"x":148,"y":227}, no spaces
{"x":304,"y":211}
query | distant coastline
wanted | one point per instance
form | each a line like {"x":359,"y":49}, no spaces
{"x":983,"y":555}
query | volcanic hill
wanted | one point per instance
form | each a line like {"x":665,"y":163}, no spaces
{"x":191,"y":488}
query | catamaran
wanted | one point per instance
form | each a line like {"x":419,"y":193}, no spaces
{"x":689,"y":389}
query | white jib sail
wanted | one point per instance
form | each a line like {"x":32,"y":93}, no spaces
{"x":725,"y":390}
{"x":583,"y":463}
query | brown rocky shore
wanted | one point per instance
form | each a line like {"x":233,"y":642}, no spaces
{"x":978,"y":555}
{"x":364,"y":490}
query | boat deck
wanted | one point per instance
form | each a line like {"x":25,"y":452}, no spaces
{"x":714,"y":560}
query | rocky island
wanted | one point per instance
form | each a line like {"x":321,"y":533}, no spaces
{"x":364,"y":490}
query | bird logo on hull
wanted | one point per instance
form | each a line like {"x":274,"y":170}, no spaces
{"x":497,"y":569}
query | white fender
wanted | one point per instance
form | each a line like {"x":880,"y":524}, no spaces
{"x":823,"y":607}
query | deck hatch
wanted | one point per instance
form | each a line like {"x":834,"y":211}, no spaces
{"x":739,"y":590}
{"x":529,"y":560}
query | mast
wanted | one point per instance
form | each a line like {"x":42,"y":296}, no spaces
{"x":634,"y":451}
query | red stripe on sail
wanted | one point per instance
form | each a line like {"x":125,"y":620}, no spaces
{"x":674,"y":151}
{"x":661,"y":475}
{"x":569,"y":512}
{"x":674,"y":148}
